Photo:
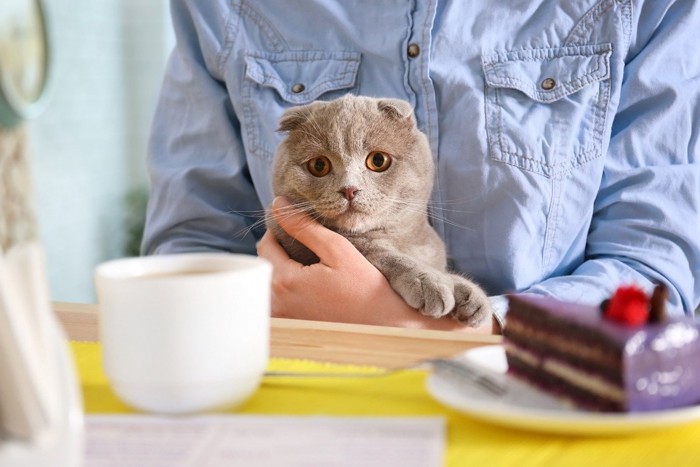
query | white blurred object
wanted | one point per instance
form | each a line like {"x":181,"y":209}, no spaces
{"x":41,"y":417}
{"x":184,"y":333}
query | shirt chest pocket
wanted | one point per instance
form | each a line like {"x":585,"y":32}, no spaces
{"x":275,"y":82}
{"x":546,"y":109}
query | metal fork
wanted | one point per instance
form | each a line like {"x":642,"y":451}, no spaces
{"x":461,"y":371}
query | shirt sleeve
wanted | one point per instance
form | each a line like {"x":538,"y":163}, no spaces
{"x":202,"y":195}
{"x":646,"y":222}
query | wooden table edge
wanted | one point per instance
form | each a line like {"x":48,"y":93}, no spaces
{"x":358,"y":344}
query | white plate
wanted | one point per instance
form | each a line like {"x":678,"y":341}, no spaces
{"x":527,"y":408}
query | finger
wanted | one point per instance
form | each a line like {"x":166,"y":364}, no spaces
{"x":284,"y":269}
{"x":269,"y":248}
{"x":329,"y":246}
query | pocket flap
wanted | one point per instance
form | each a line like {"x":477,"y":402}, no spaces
{"x":302,"y":76}
{"x":547,"y":75}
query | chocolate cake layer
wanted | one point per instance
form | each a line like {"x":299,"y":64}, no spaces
{"x":591,"y":359}
{"x":550,"y":368}
{"x":562,"y":388}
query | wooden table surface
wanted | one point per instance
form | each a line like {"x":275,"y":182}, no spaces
{"x":356,"y":344}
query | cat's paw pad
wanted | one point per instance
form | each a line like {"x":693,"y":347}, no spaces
{"x":472,"y":305}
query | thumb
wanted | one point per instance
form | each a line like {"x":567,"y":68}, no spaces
{"x":329,"y":246}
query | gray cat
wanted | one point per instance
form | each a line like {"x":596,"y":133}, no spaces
{"x":361,"y":167}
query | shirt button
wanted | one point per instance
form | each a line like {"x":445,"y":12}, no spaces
{"x":413,"y":50}
{"x":548,"y":84}
{"x":297,"y":88}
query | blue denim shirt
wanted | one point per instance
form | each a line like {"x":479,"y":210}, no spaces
{"x":565,"y":134}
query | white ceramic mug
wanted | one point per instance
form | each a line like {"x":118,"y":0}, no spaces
{"x":184,"y":333}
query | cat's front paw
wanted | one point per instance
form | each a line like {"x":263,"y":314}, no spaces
{"x":472,"y":305}
{"x":431,"y":293}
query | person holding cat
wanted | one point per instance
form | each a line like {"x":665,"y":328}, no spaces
{"x":564,"y":140}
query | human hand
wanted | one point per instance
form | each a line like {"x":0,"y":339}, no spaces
{"x":342,"y":287}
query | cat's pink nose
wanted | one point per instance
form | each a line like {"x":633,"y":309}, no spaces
{"x":349,"y":192}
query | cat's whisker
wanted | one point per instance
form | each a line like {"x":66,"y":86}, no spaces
{"x":450,"y":223}
{"x":433,"y":205}
{"x":306,"y":208}
{"x":261,"y":215}
{"x":448,"y":201}
{"x":245,"y":232}
{"x":301,"y":208}
{"x":310,"y":219}
{"x":447,"y":210}
{"x":251,"y":213}
{"x":257,"y":215}
{"x":419,"y":208}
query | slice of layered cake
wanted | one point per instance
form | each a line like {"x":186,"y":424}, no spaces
{"x":623,"y":356}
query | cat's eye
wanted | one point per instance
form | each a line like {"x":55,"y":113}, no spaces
{"x":378,"y":161}
{"x":319,"y":166}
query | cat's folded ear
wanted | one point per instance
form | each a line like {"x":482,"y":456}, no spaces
{"x":292,"y":118}
{"x":396,"y":109}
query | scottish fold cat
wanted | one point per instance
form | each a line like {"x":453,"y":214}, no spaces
{"x":361,"y":167}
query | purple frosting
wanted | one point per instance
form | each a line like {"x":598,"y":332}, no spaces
{"x":661,"y":361}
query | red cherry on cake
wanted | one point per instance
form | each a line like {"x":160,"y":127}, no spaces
{"x":629,"y":305}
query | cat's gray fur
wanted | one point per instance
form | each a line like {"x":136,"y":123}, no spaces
{"x":387,"y":218}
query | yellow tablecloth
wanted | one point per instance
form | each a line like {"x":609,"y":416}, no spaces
{"x":470,"y":442}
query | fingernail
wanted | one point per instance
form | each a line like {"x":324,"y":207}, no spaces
{"x":280,"y":202}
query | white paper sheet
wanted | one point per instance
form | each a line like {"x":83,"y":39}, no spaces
{"x":263,"y":441}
